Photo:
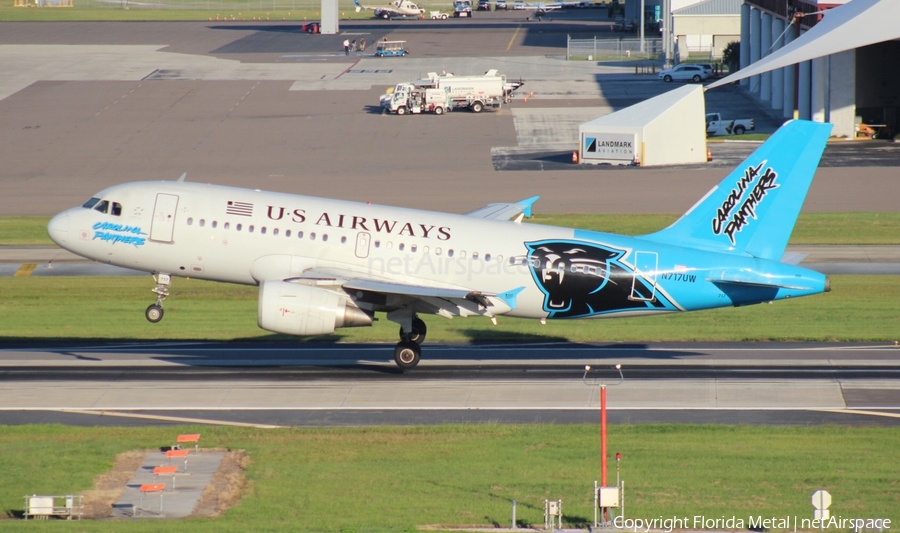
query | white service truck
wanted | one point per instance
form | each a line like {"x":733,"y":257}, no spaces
{"x":716,"y":125}
{"x":407,"y":98}
{"x":473,"y":92}
{"x":469,"y":92}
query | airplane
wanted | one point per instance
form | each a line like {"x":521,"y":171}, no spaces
{"x":397,"y":8}
{"x":540,"y":9}
{"x":322,"y":264}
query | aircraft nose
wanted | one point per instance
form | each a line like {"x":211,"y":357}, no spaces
{"x":58,"y":228}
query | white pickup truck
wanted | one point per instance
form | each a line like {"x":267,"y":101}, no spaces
{"x":716,"y":125}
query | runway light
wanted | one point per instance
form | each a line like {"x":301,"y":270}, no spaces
{"x":618,"y":457}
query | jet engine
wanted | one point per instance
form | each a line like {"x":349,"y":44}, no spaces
{"x":297,"y":309}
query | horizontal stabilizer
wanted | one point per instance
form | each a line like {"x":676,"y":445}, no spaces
{"x":752,"y":279}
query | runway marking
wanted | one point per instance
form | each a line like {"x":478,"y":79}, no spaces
{"x":513,"y":38}
{"x":864,"y":413}
{"x":103,"y":412}
{"x":348,"y":69}
{"x":26,"y":269}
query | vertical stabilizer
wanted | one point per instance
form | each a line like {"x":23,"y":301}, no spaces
{"x":753,"y":210}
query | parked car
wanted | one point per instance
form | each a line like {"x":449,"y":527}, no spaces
{"x":519,"y":4}
{"x":311,"y":27}
{"x":500,"y":4}
{"x":707,"y":67}
{"x":484,"y":5}
{"x":684,"y":72}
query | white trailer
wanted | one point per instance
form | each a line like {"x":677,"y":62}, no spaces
{"x":473,"y":92}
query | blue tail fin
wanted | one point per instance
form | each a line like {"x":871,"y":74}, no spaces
{"x":753,"y":211}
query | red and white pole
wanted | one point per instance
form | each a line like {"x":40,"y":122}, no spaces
{"x":603,"y":435}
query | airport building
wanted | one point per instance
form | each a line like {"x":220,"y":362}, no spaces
{"x":857,"y":85}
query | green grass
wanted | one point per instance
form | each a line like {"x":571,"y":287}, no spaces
{"x":811,"y":228}
{"x":398,"y":478}
{"x":859,"y":308}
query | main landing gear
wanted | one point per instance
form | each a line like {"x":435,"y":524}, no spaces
{"x":408,"y":351}
{"x":154,"y":312}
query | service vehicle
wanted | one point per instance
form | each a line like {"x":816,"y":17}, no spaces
{"x":463,"y":92}
{"x":311,"y":27}
{"x":437,"y":15}
{"x":390,"y":49}
{"x":411,"y":99}
{"x":716,"y":125}
{"x":490,"y":89}
{"x":484,"y":5}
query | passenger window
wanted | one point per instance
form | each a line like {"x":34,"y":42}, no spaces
{"x":343,"y":240}
{"x":324,"y":237}
{"x":102,"y":207}
{"x":262,"y":230}
{"x":474,"y":255}
{"x":190,"y":221}
{"x":413,"y":248}
{"x":299,"y":234}
{"x":250,"y":228}
{"x":214,"y":224}
{"x":287,"y":233}
{"x":487,"y":257}
{"x":401,"y":247}
{"x":312,"y":236}
{"x":425,"y":250}
{"x":462,"y":254}
{"x":90,"y":203}
{"x":450,"y":252}
{"x":437,"y":251}
{"x":275,"y":231}
{"x":239,"y":226}
{"x":499,"y":258}
{"x":116,"y":209}
{"x":377,"y":244}
{"x":228,"y":225}
{"x":202,"y":222}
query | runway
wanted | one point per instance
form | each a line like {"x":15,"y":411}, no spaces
{"x":335,"y":384}
{"x":88,"y":105}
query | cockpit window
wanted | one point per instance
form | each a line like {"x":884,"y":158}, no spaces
{"x":102,"y":206}
{"x":90,"y":203}
{"x":116,"y":209}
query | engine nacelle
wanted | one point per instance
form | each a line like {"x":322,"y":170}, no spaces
{"x":297,"y":309}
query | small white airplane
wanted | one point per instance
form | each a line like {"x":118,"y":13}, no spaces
{"x":397,"y":8}
{"x":540,"y":9}
{"x":323,"y":264}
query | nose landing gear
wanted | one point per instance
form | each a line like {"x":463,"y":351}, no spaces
{"x":154,"y":312}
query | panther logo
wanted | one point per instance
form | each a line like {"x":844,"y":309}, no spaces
{"x":582,"y":279}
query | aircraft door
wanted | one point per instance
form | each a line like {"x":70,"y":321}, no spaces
{"x":163,"y":224}
{"x":645,"y":265}
{"x":362,"y":244}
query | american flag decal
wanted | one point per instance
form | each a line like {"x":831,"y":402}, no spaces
{"x":243,"y":209}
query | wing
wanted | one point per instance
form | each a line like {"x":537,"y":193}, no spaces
{"x":445,"y":301}
{"x":505,"y":211}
